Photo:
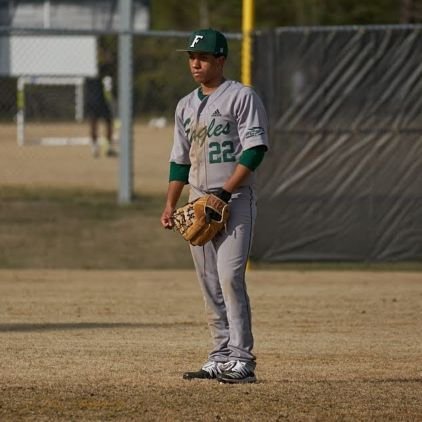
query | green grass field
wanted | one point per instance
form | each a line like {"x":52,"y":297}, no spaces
{"x":75,"y":228}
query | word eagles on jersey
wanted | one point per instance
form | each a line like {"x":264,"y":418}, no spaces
{"x":199,"y":134}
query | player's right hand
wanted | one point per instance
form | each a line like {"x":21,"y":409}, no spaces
{"x":166,"y":218}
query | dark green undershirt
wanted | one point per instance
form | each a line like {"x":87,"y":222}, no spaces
{"x":201,"y":95}
{"x":250,"y":158}
{"x":179,"y":172}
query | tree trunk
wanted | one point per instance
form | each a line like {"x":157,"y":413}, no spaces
{"x":204,"y":19}
{"x":406,"y":11}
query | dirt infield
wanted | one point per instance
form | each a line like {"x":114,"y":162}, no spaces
{"x":74,"y":167}
{"x":111,"y":345}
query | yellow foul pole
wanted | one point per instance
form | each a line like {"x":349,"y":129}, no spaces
{"x":248,"y":22}
{"x":248,"y":18}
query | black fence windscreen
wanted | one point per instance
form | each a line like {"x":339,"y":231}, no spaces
{"x":343,"y":178}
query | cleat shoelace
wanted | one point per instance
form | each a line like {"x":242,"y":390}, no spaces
{"x":213,"y":368}
{"x":237,"y":369}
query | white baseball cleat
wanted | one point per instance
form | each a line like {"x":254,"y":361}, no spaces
{"x":237,"y":372}
{"x":95,"y":149}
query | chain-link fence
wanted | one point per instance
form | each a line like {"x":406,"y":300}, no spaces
{"x":60,"y":88}
{"x":57,"y":91}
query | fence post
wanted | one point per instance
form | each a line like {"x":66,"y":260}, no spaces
{"x":125,"y":102}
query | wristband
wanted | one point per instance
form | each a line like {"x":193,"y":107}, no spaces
{"x":224,"y":195}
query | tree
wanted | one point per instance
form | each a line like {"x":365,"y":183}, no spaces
{"x":227,"y":15}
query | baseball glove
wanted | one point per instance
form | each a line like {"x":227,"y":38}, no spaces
{"x":200,"y":220}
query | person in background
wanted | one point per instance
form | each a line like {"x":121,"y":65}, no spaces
{"x":98,"y":107}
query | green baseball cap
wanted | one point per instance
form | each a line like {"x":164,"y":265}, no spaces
{"x":207,"y":41}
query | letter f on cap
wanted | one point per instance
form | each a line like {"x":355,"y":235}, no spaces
{"x":196,"y":40}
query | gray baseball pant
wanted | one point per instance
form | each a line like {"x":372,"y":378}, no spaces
{"x":220,"y":266}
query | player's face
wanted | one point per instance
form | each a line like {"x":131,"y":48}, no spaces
{"x":206,"y":69}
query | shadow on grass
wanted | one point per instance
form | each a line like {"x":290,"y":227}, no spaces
{"x":354,"y":381}
{"x":31,"y":327}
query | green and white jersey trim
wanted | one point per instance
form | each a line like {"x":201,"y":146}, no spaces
{"x":211,"y":134}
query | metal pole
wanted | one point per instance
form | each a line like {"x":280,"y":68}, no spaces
{"x":125,"y":102}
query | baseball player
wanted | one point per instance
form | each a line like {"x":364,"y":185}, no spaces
{"x":220,"y":138}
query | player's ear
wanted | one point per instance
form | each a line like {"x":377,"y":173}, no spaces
{"x":221,"y":60}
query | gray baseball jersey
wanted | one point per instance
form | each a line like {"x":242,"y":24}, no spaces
{"x":211,"y":134}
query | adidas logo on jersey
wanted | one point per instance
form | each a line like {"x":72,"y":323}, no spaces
{"x":216,"y":113}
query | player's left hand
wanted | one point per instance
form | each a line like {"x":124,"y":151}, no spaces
{"x":210,"y":214}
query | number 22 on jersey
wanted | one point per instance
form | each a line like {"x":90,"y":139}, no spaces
{"x":221,"y":153}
